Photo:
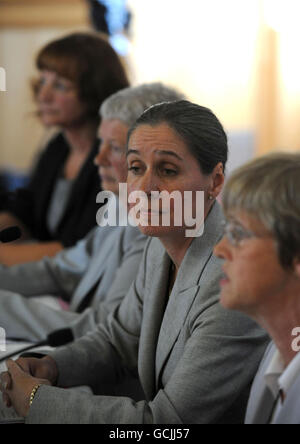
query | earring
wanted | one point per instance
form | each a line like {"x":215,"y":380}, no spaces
{"x":210,"y":197}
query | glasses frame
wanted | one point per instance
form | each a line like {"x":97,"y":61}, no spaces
{"x":236,"y":233}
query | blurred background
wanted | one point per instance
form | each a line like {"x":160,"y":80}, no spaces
{"x":238,"y":57}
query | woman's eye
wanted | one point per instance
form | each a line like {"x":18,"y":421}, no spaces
{"x":134,"y":169}
{"x":169,"y":172}
{"x":116,"y":149}
{"x":61,"y":86}
{"x":41,"y":81}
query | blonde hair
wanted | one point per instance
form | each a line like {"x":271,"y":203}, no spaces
{"x":268,"y":188}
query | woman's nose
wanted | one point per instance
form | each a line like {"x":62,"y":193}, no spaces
{"x":45,"y":93}
{"x":102,"y":158}
{"x":148,"y":183}
{"x":221,"y":249}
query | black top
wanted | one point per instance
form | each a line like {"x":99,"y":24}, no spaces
{"x":2,"y":185}
{"x":30,"y":204}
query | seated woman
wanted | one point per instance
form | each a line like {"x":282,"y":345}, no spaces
{"x":93,"y":276}
{"x":261,"y":252}
{"x":195,"y":360}
{"x":58,"y":206}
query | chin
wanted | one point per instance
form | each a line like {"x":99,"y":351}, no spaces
{"x":160,"y":232}
{"x":50,"y":121}
{"x":107,"y":186}
{"x":47,"y":122}
{"x":227,"y":301}
{"x":150,"y":231}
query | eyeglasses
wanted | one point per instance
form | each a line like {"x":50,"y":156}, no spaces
{"x":236,"y":233}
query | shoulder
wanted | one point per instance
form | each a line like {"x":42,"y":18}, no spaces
{"x":57,"y":140}
{"x":55,"y":150}
{"x":100,"y":235}
{"x":265,"y":361}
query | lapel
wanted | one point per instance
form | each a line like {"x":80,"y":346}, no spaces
{"x":153,"y":312}
{"x":45,"y":175}
{"x":264,"y":406}
{"x":261,"y":399}
{"x":96,"y":269}
{"x":82,"y":181}
{"x":186,"y":287}
{"x":290,"y":412}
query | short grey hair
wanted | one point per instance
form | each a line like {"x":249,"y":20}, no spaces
{"x":129,"y":103}
{"x":267,"y":188}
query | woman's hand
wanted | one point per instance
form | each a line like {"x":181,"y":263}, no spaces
{"x":44,"y":368}
{"x":17,"y":383}
{"x":13,"y":254}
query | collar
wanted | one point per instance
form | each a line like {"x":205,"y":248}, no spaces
{"x":290,"y":374}
{"x":273,"y":373}
{"x":278,"y":377}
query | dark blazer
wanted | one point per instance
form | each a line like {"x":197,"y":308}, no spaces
{"x":30,"y":204}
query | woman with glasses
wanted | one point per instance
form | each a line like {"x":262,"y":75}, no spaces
{"x":195,"y":360}
{"x":58,"y":206}
{"x":261,"y":253}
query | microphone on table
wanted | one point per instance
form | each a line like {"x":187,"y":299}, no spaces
{"x":10,"y":234}
{"x":55,"y":339}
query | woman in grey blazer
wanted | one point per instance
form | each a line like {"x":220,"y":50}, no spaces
{"x":90,"y":279}
{"x":195,"y":360}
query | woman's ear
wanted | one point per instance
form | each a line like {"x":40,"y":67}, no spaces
{"x":218,"y":179}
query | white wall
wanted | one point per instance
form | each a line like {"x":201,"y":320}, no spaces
{"x":207,"y":48}
{"x":20,"y":131}
{"x":219,"y":52}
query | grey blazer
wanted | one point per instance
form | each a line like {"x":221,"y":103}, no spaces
{"x":95,"y":274}
{"x":261,"y":401}
{"x":195,"y":360}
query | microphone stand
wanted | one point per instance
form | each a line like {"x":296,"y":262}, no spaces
{"x":23,"y":350}
{"x":55,"y":339}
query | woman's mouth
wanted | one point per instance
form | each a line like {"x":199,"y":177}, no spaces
{"x":224,"y":280}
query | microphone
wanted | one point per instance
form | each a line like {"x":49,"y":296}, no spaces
{"x":55,"y":339}
{"x":10,"y":234}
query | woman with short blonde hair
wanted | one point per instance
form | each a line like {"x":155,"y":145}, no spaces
{"x":261,"y":253}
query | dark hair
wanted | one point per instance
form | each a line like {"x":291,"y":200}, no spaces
{"x":196,"y":125}
{"x":90,"y":62}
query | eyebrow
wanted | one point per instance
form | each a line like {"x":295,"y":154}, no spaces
{"x":112,"y":140}
{"x":162,"y":152}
